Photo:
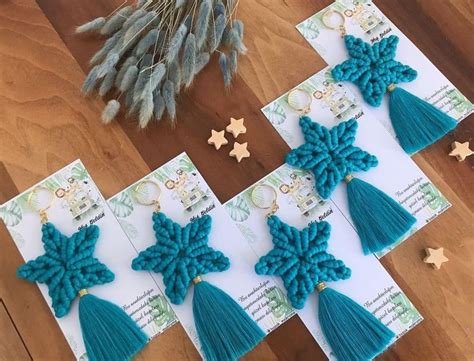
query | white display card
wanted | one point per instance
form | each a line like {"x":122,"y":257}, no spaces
{"x":77,"y":203}
{"x":396,"y":174}
{"x":370,"y":285}
{"x":184,"y":196}
{"x":364,"y":20}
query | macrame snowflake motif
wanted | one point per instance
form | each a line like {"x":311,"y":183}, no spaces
{"x":180,"y":254}
{"x":329,"y":154}
{"x":373,"y":68}
{"x":67,"y":265}
{"x":300,"y":259}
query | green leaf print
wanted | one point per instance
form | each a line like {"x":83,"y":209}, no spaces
{"x":285,"y":134}
{"x":11,"y":214}
{"x":404,"y":309}
{"x":279,"y":304}
{"x":309,"y":29}
{"x":161,"y":311}
{"x":78,"y":172}
{"x":459,"y":102}
{"x":238,"y":209}
{"x":122,"y":205}
{"x":51,"y":184}
{"x":186,"y":165}
{"x":275,"y":113}
{"x":17,"y":238}
{"x":247,"y":233}
{"x":129,"y":229}
{"x":433,"y":196}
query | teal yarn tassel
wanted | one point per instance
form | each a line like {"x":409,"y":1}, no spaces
{"x":374,"y":70}
{"x":417,"y":123}
{"x":182,"y":255}
{"x":380,"y":221}
{"x":68,"y":268}
{"x":329,"y":154}
{"x":300,"y":258}
{"x":225,"y":330}
{"x":353,"y":333}
{"x":109,"y":333}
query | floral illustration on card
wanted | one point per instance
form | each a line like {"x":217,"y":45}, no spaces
{"x":434,"y":199}
{"x":278,"y":303}
{"x":404,"y":309}
{"x":459,"y":103}
{"x":162,"y":313}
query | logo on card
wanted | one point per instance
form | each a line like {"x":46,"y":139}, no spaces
{"x":366,"y":17}
{"x":336,"y":98}
{"x":300,"y":191}
{"x":187,"y":190}
{"x":78,"y":198}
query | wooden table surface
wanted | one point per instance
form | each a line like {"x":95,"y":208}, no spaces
{"x":45,"y":123}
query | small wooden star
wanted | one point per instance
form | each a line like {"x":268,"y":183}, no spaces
{"x":236,"y":127}
{"x":460,"y":150}
{"x":240,"y":151}
{"x":435,"y":257}
{"x":217,"y":139}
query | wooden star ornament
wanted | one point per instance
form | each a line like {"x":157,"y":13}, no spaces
{"x":240,"y":151}
{"x":460,"y":150}
{"x":217,"y":139}
{"x":435,"y":257}
{"x":236,"y":127}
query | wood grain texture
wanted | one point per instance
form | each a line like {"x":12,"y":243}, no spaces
{"x":11,"y":344}
{"x":45,"y":123}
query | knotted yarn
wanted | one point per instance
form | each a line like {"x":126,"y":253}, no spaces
{"x":300,"y":258}
{"x":67,"y":266}
{"x":374,"y":71}
{"x":180,"y":254}
{"x":329,"y":154}
{"x":372,"y":67}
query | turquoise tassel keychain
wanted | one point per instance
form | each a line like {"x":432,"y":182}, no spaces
{"x":182,"y":255}
{"x":329,"y":154}
{"x":373,"y":69}
{"x":68,"y":268}
{"x":301,"y":260}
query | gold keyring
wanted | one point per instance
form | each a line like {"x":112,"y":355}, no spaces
{"x":36,"y":190}
{"x":153,"y":202}
{"x":307,"y":107}
{"x":273,"y":206}
{"x":340,"y":27}
{"x":41,"y":210}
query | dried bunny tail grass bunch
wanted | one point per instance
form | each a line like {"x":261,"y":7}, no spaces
{"x":155,"y":48}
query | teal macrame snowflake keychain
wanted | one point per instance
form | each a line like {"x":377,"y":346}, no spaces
{"x":374,"y":70}
{"x":331,"y":156}
{"x":182,"y":255}
{"x":300,"y":258}
{"x":68,"y":268}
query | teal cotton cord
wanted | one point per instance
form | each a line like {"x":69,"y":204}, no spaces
{"x":67,"y":266}
{"x":330,"y":154}
{"x":180,"y":254}
{"x":300,"y":259}
{"x":372,"y":67}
